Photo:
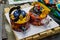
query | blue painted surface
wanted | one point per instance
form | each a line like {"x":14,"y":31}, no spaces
{"x":23,"y":13}
{"x":16,"y":13}
{"x":58,"y":6}
{"x":39,"y":0}
{"x":58,"y":13}
{"x":51,"y":2}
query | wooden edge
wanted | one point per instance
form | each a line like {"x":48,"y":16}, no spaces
{"x":6,"y":10}
{"x":36,"y":37}
{"x":29,"y":38}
